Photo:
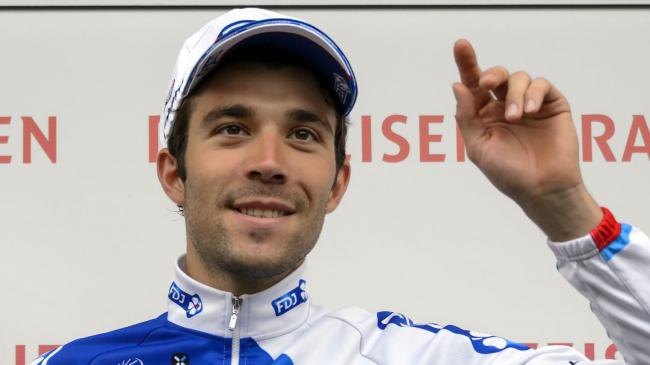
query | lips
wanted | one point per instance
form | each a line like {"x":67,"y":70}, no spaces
{"x":262,"y":213}
{"x":264,"y":208}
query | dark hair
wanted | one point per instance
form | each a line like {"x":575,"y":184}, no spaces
{"x":268,"y":56}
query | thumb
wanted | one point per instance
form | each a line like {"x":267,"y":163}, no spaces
{"x":466,"y":118}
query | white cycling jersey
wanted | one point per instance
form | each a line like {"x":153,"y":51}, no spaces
{"x":281,"y":325}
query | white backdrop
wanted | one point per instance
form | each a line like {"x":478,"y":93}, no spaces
{"x":308,"y":3}
{"x":88,"y":240}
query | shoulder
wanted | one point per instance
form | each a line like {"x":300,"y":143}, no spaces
{"x":85,"y":350}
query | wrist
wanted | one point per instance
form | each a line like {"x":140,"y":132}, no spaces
{"x":565,"y":215}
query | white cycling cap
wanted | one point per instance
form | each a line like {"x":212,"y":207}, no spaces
{"x":203,"y":51}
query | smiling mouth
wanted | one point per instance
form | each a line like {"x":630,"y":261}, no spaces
{"x":262,"y":213}
{"x":265,"y":208}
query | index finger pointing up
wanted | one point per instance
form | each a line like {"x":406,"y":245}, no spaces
{"x":467,"y":64}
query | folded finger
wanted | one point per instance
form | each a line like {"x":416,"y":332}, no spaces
{"x":495,"y":79}
{"x":539,"y":92}
{"x":535,"y":95}
{"x":518,"y":84}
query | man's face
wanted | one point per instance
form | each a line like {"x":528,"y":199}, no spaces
{"x":261,"y":171}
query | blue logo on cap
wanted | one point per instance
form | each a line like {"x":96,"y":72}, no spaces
{"x":341,"y":87}
{"x":192,"y":304}
{"x":291,"y":299}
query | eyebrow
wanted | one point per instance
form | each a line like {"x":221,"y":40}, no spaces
{"x":233,"y":111}
{"x":306,"y":116}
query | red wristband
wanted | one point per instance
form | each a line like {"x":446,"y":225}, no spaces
{"x":607,"y":231}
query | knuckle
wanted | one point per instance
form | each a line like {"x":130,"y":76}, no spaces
{"x":521,"y":75}
{"x":502,"y":70}
{"x":541,"y":81}
{"x":498,"y":71}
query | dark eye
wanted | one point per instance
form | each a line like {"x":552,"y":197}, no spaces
{"x":231,"y":130}
{"x":304,"y":134}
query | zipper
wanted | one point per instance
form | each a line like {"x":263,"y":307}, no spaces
{"x":232,"y":326}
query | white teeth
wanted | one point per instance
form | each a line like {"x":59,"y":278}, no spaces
{"x":262,"y":213}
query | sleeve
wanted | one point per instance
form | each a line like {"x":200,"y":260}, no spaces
{"x":611,"y":268}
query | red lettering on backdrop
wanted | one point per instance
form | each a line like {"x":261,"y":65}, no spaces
{"x":154,"y":121}
{"x":366,"y":139}
{"x":426,"y":139}
{"x":460,"y":146}
{"x":610,"y":353}
{"x":587,"y":122}
{"x":590,"y":352}
{"x":45,"y":348}
{"x":30,"y":128}
{"x":5,"y":140}
{"x":639,"y":125}
{"x":20,"y":352}
{"x":20,"y":355}
{"x":393,"y":137}
{"x":532,"y":345}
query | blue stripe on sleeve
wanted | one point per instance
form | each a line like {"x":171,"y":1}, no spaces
{"x":618,"y":244}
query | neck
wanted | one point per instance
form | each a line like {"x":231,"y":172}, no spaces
{"x":218,"y":278}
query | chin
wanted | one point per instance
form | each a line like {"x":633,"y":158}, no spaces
{"x":262,"y":266}
{"x":255,"y":254}
{"x":270,"y":258}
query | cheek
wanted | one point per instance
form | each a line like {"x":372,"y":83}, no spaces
{"x":318,"y":176}
{"x":208,"y":177}
{"x":206,"y":161}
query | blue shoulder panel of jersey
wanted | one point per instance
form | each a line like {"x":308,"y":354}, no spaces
{"x":157,"y":341}
{"x":124,"y":342}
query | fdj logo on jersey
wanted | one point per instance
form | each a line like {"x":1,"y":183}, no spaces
{"x":291,"y":299}
{"x":483,"y":344}
{"x":191,"y":303}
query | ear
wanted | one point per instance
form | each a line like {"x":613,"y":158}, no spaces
{"x":171,"y":183}
{"x":340,"y":186}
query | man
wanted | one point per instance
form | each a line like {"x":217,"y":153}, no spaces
{"x":255,"y":132}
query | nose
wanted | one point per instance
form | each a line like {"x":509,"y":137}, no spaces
{"x":266,"y":160}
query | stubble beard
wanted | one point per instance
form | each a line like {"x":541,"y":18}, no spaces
{"x":212,"y":240}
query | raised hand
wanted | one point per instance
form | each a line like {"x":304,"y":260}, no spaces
{"x":519,"y":132}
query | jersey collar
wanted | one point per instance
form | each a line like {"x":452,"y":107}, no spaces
{"x":269,"y":313}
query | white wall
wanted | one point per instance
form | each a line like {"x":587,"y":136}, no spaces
{"x":342,"y":3}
